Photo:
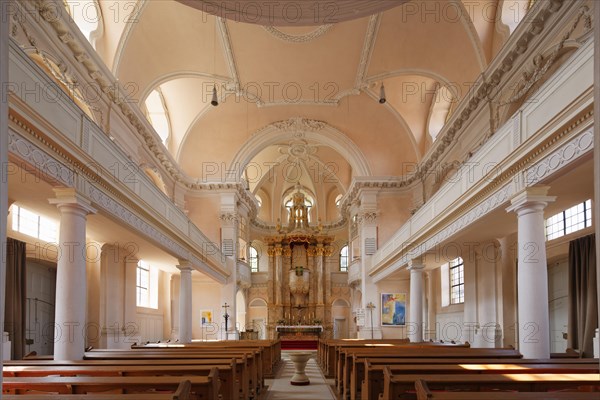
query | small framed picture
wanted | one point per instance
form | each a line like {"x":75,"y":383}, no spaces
{"x":206,"y":317}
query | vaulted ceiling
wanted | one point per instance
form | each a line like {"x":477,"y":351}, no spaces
{"x":426,"y":53}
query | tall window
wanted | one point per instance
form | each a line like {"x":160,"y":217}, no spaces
{"x":344,"y":259}
{"x":570,"y":220}
{"x":32,"y":224}
{"x":457,"y":281}
{"x":253,"y":259}
{"x":146,"y":285}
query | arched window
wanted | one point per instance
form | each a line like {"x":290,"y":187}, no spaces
{"x":253,"y":259}
{"x":344,"y":259}
{"x":86,"y":14}
{"x":157,"y":115}
{"x":440,"y":110}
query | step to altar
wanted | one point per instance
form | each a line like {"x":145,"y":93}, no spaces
{"x":299,"y":344}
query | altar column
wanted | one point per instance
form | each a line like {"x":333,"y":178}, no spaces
{"x":278,"y":274}
{"x":71,"y":279}
{"x":532,"y":274}
{"x":320,"y":254}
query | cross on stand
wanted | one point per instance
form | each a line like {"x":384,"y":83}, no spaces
{"x":226,"y":316}
{"x":371,"y":306}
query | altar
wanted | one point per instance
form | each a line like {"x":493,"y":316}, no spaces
{"x":299,"y":337}
{"x":299,"y":330}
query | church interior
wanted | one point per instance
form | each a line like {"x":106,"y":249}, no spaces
{"x":215,"y":188}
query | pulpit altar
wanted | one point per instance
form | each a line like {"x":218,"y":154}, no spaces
{"x":299,"y":337}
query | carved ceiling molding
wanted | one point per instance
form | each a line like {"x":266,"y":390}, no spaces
{"x":367,"y":51}
{"x":229,"y":56}
{"x":305,"y":38}
{"x":301,"y":128}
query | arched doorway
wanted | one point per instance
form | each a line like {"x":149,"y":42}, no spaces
{"x":340,"y":315}
{"x":257,"y":317}
{"x":240,"y":317}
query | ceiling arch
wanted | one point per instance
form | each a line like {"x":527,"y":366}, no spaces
{"x":299,"y":127}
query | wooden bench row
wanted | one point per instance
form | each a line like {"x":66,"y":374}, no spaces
{"x":424,"y":393}
{"x":239,"y":368}
{"x":397,"y":386}
{"x":197,"y":387}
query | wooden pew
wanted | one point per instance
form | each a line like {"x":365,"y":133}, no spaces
{"x":182,"y":393}
{"x":423,"y":393}
{"x":373,"y":383}
{"x":347,"y":366}
{"x":398,"y":386}
{"x":252,"y":381}
{"x":202,"y":387}
{"x":270,"y":349}
{"x":327,"y":350}
{"x":229,"y":388}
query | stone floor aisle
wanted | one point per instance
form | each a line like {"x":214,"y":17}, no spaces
{"x":281,"y":389}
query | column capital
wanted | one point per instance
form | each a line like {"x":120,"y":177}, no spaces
{"x":69,"y":197}
{"x":184,"y":266}
{"x":530,"y":199}
{"x":416,"y":265}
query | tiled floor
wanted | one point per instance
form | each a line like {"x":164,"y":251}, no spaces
{"x":281,"y":389}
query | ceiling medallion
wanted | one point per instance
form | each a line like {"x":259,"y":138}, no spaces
{"x":286,"y":37}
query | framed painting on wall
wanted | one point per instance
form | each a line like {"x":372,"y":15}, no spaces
{"x":393,"y":309}
{"x":206,"y":317}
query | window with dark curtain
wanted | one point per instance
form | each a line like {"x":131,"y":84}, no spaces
{"x":14,"y":317}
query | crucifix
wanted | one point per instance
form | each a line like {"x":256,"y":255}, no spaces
{"x":299,"y":307}
{"x":226,"y":316}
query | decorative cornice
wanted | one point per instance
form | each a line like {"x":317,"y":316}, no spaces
{"x":229,"y":217}
{"x":305,"y":38}
{"x":367,"y":51}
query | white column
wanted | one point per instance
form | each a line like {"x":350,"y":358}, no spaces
{"x":130,"y":325}
{"x":415,"y":326}
{"x":185,"y":301}
{"x":71,"y":282}
{"x":431,"y":300}
{"x":4,"y":23}
{"x":532,"y":275}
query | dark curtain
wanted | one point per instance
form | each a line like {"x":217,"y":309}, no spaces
{"x":583,"y":295}
{"x":14,"y":319}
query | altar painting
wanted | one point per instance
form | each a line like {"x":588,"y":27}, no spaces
{"x":206,"y":317}
{"x":393,"y":309}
